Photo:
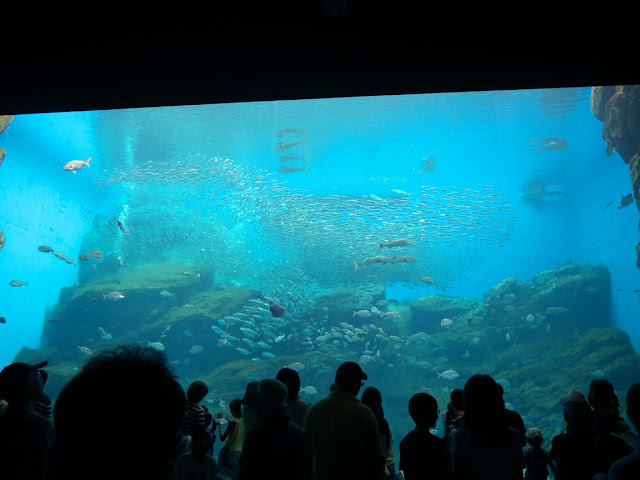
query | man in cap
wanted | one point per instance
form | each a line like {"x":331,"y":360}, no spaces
{"x":342,"y":433}
{"x":275,"y":446}
{"x":25,"y":435}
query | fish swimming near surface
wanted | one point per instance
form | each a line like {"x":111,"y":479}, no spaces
{"x":74,"y":165}
{"x":401,"y":259}
{"x":292,"y":157}
{"x":289,"y":131}
{"x":18,"y":283}
{"x":121,"y":227}
{"x":625,"y":201}
{"x":286,"y":169}
{"x":551,"y":143}
{"x":394,"y":243}
{"x":287,"y":145}
{"x":45,"y":248}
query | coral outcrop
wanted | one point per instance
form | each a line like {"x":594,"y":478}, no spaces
{"x":618,"y":107}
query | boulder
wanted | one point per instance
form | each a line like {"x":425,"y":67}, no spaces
{"x":427,"y":312}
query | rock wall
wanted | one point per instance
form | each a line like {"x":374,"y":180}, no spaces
{"x":618,"y":107}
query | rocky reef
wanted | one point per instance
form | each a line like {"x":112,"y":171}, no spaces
{"x":4,"y":121}
{"x":618,"y":107}
{"x":539,"y":337}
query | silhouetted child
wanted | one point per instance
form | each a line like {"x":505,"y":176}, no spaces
{"x":232,"y":438}
{"x":536,"y":458}
{"x":195,"y":416}
{"x":423,"y":455}
{"x":198,"y":464}
{"x":452,"y":418}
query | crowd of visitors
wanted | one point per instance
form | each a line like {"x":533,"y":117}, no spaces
{"x":125,"y":416}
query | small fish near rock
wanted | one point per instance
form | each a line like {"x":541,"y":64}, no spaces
{"x":45,"y":249}
{"x":625,"y":201}
{"x":17,"y":283}
{"x":95,"y":253}
{"x":427,"y":280}
{"x":84,"y":257}
{"x":122,"y":227}
{"x":74,"y":165}
{"x":112,"y":296}
{"x":446,"y":323}
{"x":167,"y":294}
{"x":2,"y":239}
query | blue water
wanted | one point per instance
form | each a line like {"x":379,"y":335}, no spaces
{"x":359,"y":148}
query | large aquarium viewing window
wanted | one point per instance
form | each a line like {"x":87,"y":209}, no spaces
{"x":427,"y":237}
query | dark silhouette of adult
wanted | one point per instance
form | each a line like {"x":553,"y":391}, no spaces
{"x":25,"y":434}
{"x":342,"y":433}
{"x":612,"y":434}
{"x":573,"y":450}
{"x":628,"y":467}
{"x":485,"y":446}
{"x":372,"y":398}
{"x":274,"y":448}
{"x":297,"y":406}
{"x":424,"y":456}
{"x":514,"y":418}
{"x":119,"y":418}
{"x":249,"y":408}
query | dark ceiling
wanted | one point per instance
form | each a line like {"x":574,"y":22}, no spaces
{"x":99,"y":58}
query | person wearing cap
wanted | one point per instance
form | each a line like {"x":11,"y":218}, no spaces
{"x":25,"y":435}
{"x":342,"y":433}
{"x":274,"y":448}
{"x":628,"y":468}
{"x":573,"y":450}
{"x":536,"y":458}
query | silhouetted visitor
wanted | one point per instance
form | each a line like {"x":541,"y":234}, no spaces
{"x":628,"y":468}
{"x":232,"y":437}
{"x":250,"y":415}
{"x":614,"y":439}
{"x":514,"y":419}
{"x":297,"y":406}
{"x":119,"y":418}
{"x":536,"y":459}
{"x":44,"y":406}
{"x":198,"y":463}
{"x":25,"y":435}
{"x":342,"y":433}
{"x":195,"y":417}
{"x":372,"y":398}
{"x":485,"y":446}
{"x":573,"y":451}
{"x":275,"y":447}
{"x":424,"y":456}
{"x":452,"y":418}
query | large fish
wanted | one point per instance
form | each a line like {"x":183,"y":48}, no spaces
{"x":394,"y":243}
{"x":74,"y":165}
{"x":368,"y":261}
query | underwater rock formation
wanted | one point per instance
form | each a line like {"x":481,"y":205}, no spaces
{"x":427,"y":312}
{"x":618,"y":107}
{"x":5,"y":120}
